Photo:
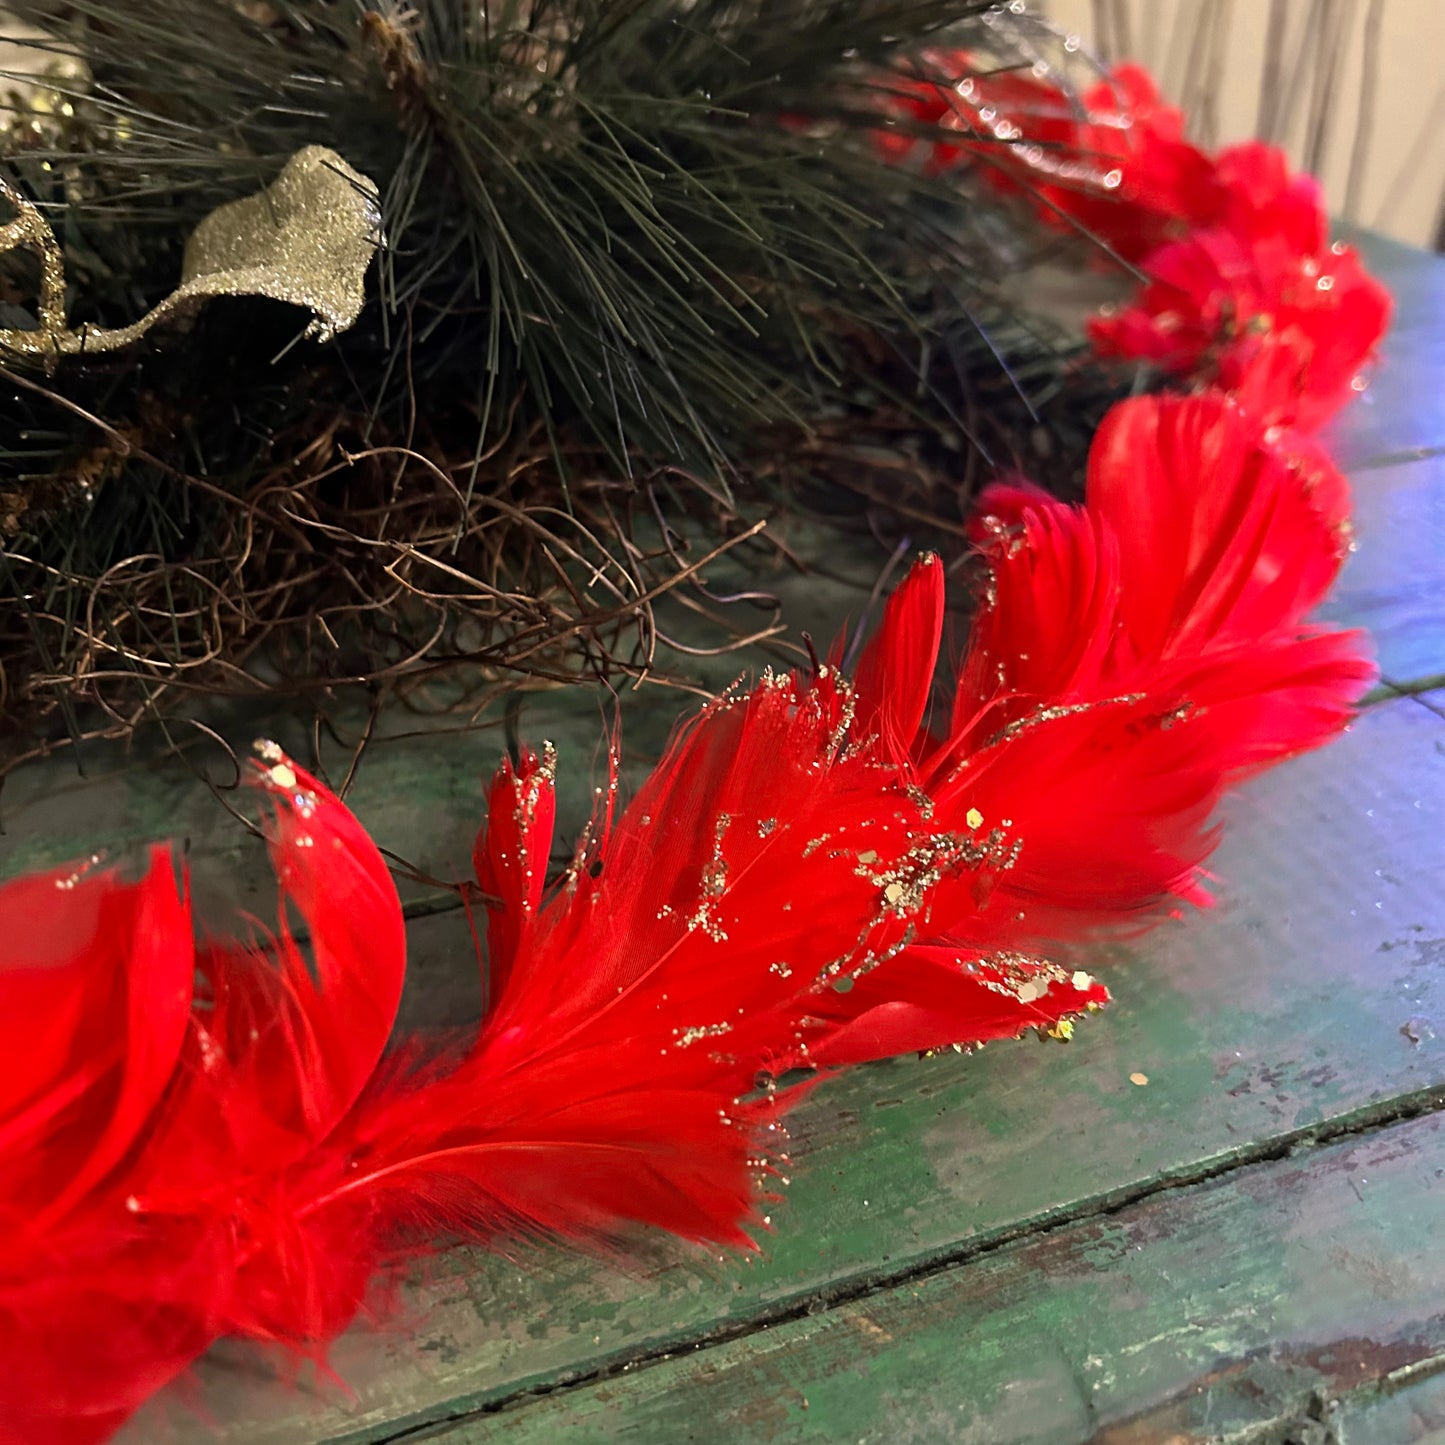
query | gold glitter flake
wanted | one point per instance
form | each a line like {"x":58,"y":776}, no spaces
{"x":920,"y":800}
{"x":713,"y":884}
{"x":1180,"y":714}
{"x":1029,"y":979}
{"x":905,"y":885}
{"x":283,"y":776}
{"x":682,"y":1038}
{"x":847,"y":711}
{"x":80,"y":874}
{"x":541,"y":780}
{"x":1041,"y":715}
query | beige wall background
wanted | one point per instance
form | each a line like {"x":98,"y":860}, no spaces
{"x":1354,"y":89}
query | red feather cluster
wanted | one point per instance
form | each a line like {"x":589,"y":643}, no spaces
{"x":207,"y":1136}
{"x":1255,"y":299}
{"x":1111,"y":161}
{"x":204,"y":1135}
{"x":1243,"y":289}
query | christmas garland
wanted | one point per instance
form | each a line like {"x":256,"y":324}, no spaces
{"x":205,"y":1136}
{"x":369,"y":343}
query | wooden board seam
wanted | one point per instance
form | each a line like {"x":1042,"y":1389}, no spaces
{"x":1322,"y":1409}
{"x":1396,"y":459}
{"x":1355,"y":1124}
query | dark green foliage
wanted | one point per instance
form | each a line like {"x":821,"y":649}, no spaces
{"x":594,"y":199}
{"x":623,"y":240}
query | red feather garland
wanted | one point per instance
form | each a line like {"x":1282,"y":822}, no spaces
{"x":206,"y":1136}
{"x":809,"y":878}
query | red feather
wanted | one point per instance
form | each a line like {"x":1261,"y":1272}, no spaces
{"x":1254,"y":299}
{"x":1111,"y":161}
{"x":97,"y":988}
{"x":758,"y":866}
{"x":934,"y":997}
{"x":894,"y":678}
{"x":144,"y":1135}
{"x":1131,"y":659}
{"x":96,"y":983}
{"x":510,"y":856}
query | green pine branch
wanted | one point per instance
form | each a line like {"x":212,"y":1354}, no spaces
{"x":628,"y":245}
{"x":599,"y":203}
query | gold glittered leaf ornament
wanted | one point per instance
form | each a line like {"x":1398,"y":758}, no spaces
{"x":307,"y":239}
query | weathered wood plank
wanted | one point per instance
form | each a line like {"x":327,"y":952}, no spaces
{"x":1394,"y":581}
{"x":1408,"y":1409}
{"x":1400,"y":416}
{"x":1232,"y":1311}
{"x":1312,"y":994}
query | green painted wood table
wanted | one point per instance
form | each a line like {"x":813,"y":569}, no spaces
{"x":1217,"y":1215}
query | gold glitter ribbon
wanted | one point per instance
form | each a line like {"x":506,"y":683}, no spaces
{"x":307,"y":238}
